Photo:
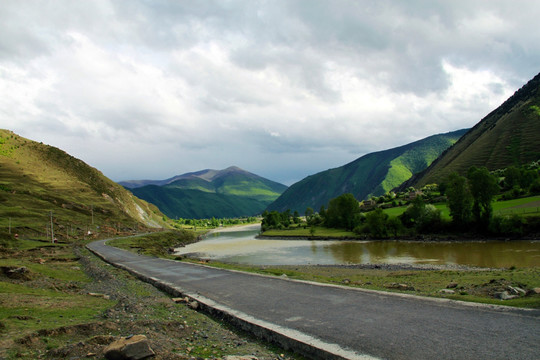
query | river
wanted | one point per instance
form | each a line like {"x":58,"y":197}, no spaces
{"x":241,"y":247}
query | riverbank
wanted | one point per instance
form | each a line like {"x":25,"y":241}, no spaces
{"x":326,"y":234}
{"x":249,"y":227}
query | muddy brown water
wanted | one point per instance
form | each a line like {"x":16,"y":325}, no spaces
{"x":242,"y":247}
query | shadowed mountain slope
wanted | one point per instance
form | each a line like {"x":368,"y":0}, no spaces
{"x":231,"y":192}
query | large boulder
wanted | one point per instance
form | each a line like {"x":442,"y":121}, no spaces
{"x":134,"y":347}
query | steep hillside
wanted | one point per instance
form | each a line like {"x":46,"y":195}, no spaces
{"x":231,"y":192}
{"x":509,"y":135}
{"x":36,"y":179}
{"x":372,"y":174}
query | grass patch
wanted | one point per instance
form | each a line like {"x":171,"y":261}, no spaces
{"x":476,"y":285}
{"x":320,"y":232}
{"x":24,"y":308}
{"x":157,"y":244}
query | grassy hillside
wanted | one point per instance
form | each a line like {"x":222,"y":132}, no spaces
{"x":372,"y":174}
{"x":510,"y":135}
{"x":36,"y":179}
{"x":232,"y":192}
{"x":196,"y":204}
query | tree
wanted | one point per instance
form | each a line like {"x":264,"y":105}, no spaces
{"x":271,"y":220}
{"x":483,"y":188}
{"x":376,"y":222}
{"x":296,"y":217}
{"x":394,"y":225}
{"x":322,"y":212}
{"x":420,"y":216}
{"x":309,"y":213}
{"x":512,"y":177}
{"x":413,"y":213}
{"x":459,"y":198}
{"x":343,"y":212}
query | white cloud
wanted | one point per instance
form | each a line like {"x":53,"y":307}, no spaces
{"x":285,"y":89}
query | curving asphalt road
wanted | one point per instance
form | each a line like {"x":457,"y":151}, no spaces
{"x":350,"y":323}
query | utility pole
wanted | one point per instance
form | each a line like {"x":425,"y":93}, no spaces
{"x":52,"y":230}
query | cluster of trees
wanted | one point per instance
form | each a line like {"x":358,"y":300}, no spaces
{"x":522,"y":181}
{"x":213,"y":222}
{"x":469,"y":199}
{"x":279,"y":220}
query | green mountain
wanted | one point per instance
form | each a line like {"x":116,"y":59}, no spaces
{"x":371,"y":175}
{"x":36,"y":179}
{"x":231,"y":192}
{"x":509,"y":135}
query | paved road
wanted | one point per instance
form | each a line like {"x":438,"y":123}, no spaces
{"x":375,"y":324}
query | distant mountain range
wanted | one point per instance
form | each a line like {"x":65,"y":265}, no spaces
{"x":231,"y":192}
{"x":370,"y":175}
{"x":509,"y":135}
{"x":36,"y":179}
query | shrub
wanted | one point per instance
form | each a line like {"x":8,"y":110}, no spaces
{"x":513,"y":225}
{"x":535,"y":187}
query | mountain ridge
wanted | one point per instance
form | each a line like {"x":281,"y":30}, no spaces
{"x":206,"y":174}
{"x":372,"y":174}
{"x":231,"y":192}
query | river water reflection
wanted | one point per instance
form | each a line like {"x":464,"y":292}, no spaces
{"x":241,"y":247}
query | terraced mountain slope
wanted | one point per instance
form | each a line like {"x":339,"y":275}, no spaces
{"x":509,"y":135}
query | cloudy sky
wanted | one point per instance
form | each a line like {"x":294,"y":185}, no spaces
{"x":284,"y":89}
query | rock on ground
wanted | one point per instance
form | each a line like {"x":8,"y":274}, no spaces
{"x":134,"y":347}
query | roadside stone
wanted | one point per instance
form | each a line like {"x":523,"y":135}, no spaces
{"x":134,"y":347}
{"x":346,"y":281}
{"x":536,"y":290}
{"x":447,"y":291}
{"x":504,"y":295}
{"x":180,"y":300}
{"x":194,"y":305}
{"x":106,"y":297}
{"x":452,"y":285}
{"x":400,"y":287}
{"x":516,"y":290}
